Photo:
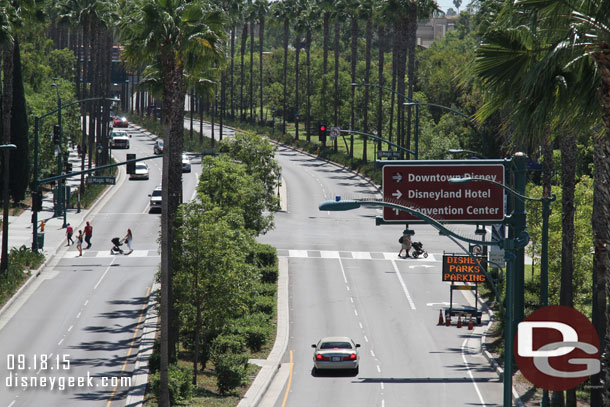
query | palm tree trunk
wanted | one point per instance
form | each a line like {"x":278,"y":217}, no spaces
{"x":394,"y":62}
{"x":367,"y":73}
{"x":400,"y":76}
{"x":380,"y":62}
{"x":325,"y":67}
{"x":196,"y":343}
{"x":261,"y":38}
{"x":232,"y":72}
{"x":200,"y":119}
{"x":244,"y":39}
{"x":411,"y":44}
{"x":336,"y":98}
{"x":601,"y":235}
{"x":7,"y":103}
{"x":353,"y":61}
{"x":192,"y":107}
{"x":285,"y":73}
{"x":308,"y":116}
{"x":252,"y":119}
{"x":297,"y":41}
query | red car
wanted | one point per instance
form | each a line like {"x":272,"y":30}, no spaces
{"x":120,"y":122}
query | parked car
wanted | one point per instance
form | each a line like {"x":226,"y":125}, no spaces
{"x":119,"y":139}
{"x":158,"y":148}
{"x":155,"y":200}
{"x":336,"y":352}
{"x":186,"y":163}
{"x":120,"y":122}
{"x":141,"y":171}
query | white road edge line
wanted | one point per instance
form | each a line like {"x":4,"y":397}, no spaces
{"x":343,"y":271}
{"x":402,"y":283}
{"x":474,"y":383}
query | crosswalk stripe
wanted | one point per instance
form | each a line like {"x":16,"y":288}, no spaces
{"x":361,"y":255}
{"x":329,"y":254}
{"x":297,"y":253}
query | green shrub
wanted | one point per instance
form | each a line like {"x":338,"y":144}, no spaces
{"x":264,"y":304}
{"x":231,"y":371}
{"x":266,"y":255}
{"x":180,"y":384}
{"x":228,"y":343}
{"x":266,"y":289}
{"x":254,"y":328}
{"x":154,"y":361}
{"x":269,"y":274}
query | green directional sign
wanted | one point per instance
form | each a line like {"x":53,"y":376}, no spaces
{"x":101,"y":180}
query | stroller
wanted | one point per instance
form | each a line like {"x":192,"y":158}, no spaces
{"x":117,"y":246}
{"x":418,"y":250}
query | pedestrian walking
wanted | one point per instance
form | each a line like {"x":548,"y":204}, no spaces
{"x":79,"y":242}
{"x":128,"y":239}
{"x":69,"y":232}
{"x":405,"y":244}
{"x":88,"y":234}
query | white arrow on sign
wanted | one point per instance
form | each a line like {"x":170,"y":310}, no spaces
{"x":396,"y":211}
{"x":397,"y":194}
{"x":397,"y":177}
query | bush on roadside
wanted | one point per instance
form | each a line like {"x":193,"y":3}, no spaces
{"x":264,"y":304}
{"x":269,"y":274}
{"x":254,"y":328}
{"x":21,"y":261}
{"x":180,"y":384}
{"x":230,"y":362}
{"x":266,"y":255}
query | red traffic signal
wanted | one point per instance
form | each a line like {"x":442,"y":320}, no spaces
{"x":322,"y":128}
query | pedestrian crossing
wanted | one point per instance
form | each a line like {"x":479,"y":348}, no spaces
{"x":73,"y":254}
{"x":355,"y":255}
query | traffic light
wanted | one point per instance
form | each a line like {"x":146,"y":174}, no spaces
{"x":131,"y":167}
{"x":322,"y":132}
{"x":56,"y":134}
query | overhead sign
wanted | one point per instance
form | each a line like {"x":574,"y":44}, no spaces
{"x":426,"y":188}
{"x":388,"y":154}
{"x":463,"y":269}
{"x":91,"y":179}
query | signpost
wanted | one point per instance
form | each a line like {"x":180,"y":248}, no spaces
{"x":461,"y":268}
{"x":100,"y":180}
{"x":426,"y":187}
{"x":388,"y":154}
{"x":335,"y":132}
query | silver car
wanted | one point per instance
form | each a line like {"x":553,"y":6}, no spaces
{"x":156,"y":200}
{"x":186,"y":163}
{"x":336,"y":352}
{"x":141,"y":172}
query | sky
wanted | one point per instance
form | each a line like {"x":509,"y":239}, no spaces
{"x":446,"y":4}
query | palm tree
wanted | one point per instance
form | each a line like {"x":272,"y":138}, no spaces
{"x":174,"y":35}
{"x":548,"y":60}
{"x":252,"y":17}
{"x":326,"y":6}
{"x":261,"y":8}
{"x":282,"y":10}
{"x":244,"y":39}
{"x":366,"y":11}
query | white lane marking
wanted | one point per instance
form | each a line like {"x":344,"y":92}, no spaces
{"x":351,"y":299}
{"x":372,"y":353}
{"x":404,"y":287}
{"x":382,"y":402}
{"x":327,"y":254}
{"x":85,"y":304}
{"x":297,"y":253}
{"x":356,"y":312}
{"x":343,"y":273}
{"x":102,"y":277}
{"x":78,"y":315}
{"x":474,"y":383}
{"x":347,"y":287}
{"x":378,"y":369}
{"x":12,"y":403}
{"x":70,"y":328}
{"x":366,"y":339}
{"x":361,"y":255}
{"x":60,"y":342}
{"x":360,"y":323}
{"x":382,"y":387}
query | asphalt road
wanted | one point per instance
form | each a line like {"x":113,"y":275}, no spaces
{"x":345,"y":279}
{"x":83,"y":315}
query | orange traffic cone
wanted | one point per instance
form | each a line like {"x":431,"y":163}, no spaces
{"x":440,"y":317}
{"x":470,"y":324}
{"x":448,"y":320}
{"x":459,"y":324}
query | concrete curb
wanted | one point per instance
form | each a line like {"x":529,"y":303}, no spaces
{"x":135,"y":396}
{"x":272,"y":364}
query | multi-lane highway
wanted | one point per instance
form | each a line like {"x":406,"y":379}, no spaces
{"x":345,"y":279}
{"x":81,"y":319}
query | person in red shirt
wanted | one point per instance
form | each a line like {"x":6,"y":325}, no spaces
{"x":88,"y":234}
{"x":69,"y":232}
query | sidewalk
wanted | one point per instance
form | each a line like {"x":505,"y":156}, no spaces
{"x":20,"y":227}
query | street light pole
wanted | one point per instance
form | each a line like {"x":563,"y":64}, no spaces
{"x":61,"y":193}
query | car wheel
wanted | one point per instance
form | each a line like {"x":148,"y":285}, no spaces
{"x":314,"y":371}
{"x":425,"y":255}
{"x":355,"y":371}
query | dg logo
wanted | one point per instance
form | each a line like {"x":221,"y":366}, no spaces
{"x":557,"y":348}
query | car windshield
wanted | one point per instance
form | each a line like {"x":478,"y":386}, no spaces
{"x":336,"y":345}
{"x":141,"y":167}
{"x":156,"y":192}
